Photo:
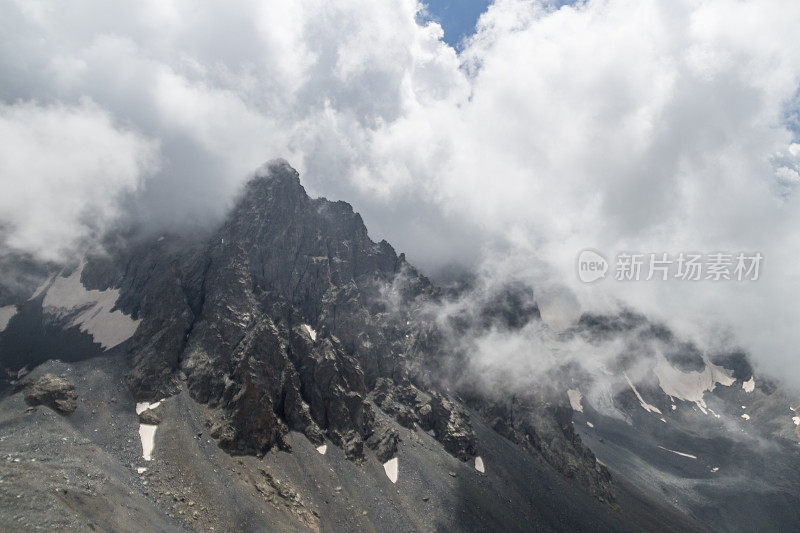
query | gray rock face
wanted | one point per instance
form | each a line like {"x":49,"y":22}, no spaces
{"x":289,"y":317}
{"x":446,"y":419}
{"x":54,"y":392}
{"x":545,"y":430}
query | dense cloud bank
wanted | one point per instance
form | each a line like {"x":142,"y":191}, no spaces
{"x":620,"y":125}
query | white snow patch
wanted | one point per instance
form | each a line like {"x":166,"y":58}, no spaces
{"x":746,"y":416}
{"x":796,"y":420}
{"x":662,"y":419}
{"x":479,"y":465}
{"x":68,"y":296}
{"x":311,"y":332}
{"x":589,"y":424}
{"x":6,"y":314}
{"x":322,"y":449}
{"x":749,"y":385}
{"x":141,"y":469}
{"x":646,"y":406}
{"x":147,"y":432}
{"x":141,"y":407}
{"x":690,"y":456}
{"x":575,"y":398}
{"x":691,"y":386}
{"x":715,"y":469}
{"x":390,"y":467}
{"x":674,"y":406}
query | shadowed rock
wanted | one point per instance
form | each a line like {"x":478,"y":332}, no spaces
{"x":150,"y":416}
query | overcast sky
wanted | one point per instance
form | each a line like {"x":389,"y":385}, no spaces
{"x":657,"y":126}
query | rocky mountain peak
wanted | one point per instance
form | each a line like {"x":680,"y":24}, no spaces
{"x":283,"y":313}
{"x":289,"y":317}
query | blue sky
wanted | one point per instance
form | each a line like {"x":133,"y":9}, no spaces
{"x":457,"y":17}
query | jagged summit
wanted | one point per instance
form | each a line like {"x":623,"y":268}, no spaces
{"x":303,"y":248}
{"x":276,"y":175}
{"x":277,"y":182}
{"x":275,"y":191}
{"x":276,"y":169}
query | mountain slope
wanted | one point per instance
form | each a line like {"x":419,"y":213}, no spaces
{"x":284,"y":372}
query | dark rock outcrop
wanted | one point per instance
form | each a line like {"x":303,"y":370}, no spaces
{"x":446,"y":419}
{"x":54,"y":392}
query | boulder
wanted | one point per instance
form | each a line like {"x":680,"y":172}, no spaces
{"x":150,"y":416}
{"x":54,"y":392}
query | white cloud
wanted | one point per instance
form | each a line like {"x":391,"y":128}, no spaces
{"x":63,"y":171}
{"x":655,"y":125}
